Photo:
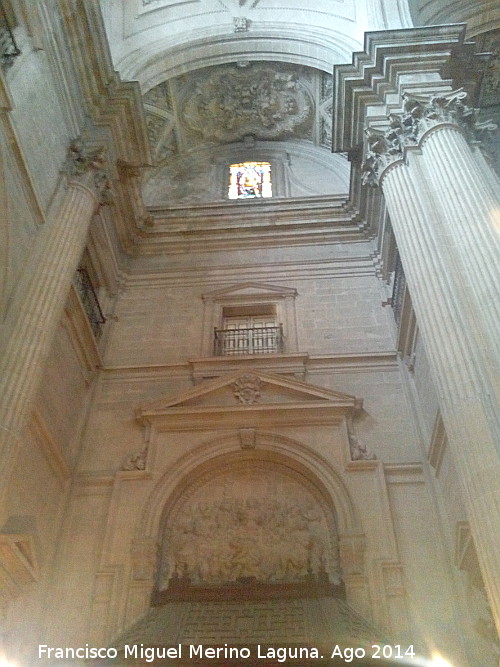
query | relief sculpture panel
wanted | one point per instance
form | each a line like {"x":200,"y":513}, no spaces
{"x":261,"y":99}
{"x":255,"y":524}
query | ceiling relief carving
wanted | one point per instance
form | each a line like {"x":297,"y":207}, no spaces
{"x":261,"y":523}
{"x":230,"y":103}
{"x":267,"y":100}
{"x":198,"y":120}
{"x":160,"y":122}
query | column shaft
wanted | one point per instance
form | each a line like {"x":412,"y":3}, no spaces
{"x":469,"y":209}
{"x":36,"y":312}
{"x":459,"y":373}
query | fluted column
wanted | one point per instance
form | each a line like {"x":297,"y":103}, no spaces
{"x":441,"y":213}
{"x":470,"y":211}
{"x":40,"y":298}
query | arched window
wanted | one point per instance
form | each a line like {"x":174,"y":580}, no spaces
{"x":248,"y":180}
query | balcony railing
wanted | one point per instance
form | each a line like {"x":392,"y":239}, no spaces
{"x":90,"y":302}
{"x":398,"y":290}
{"x":261,"y":340}
{"x":8,"y":46}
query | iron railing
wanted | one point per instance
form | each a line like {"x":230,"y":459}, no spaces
{"x":90,"y":302}
{"x":258,"y":340}
{"x":8,"y":47}
{"x":398,"y":290}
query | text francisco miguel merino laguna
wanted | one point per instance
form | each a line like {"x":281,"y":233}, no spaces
{"x":149,"y":654}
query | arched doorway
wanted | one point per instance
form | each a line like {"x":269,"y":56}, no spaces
{"x":249,"y":566}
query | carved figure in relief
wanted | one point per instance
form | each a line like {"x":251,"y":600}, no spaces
{"x":359,"y":451}
{"x":136,"y":461}
{"x":260,"y":528}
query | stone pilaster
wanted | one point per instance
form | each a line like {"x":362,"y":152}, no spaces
{"x":38,"y":304}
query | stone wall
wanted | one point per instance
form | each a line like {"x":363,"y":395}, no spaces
{"x":129,"y":473}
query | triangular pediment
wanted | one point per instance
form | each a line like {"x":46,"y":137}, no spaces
{"x":250,"y":395}
{"x":250,"y":289}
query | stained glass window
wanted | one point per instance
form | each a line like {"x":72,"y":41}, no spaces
{"x":248,"y":180}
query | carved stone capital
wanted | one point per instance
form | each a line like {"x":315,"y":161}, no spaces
{"x":421,"y":113}
{"x":87,"y":165}
{"x":382,"y":150}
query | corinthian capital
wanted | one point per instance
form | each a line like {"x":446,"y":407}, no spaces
{"x":87,"y":165}
{"x":383,"y":149}
{"x":425,"y":112}
{"x":421,"y":113}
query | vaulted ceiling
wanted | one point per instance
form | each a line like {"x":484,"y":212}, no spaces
{"x":229,"y":73}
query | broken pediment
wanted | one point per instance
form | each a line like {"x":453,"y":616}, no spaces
{"x":249,"y":399}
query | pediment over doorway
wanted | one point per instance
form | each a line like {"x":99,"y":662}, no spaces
{"x":250,"y":289}
{"x":249,"y":398}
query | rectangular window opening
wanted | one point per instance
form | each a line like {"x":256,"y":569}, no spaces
{"x":250,"y":180}
{"x":249,"y":329}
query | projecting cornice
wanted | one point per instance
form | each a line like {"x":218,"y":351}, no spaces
{"x":113,"y":111}
{"x":217,"y":226}
{"x":387,"y":67}
{"x":109,"y":101}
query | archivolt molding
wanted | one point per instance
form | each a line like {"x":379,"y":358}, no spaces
{"x":480,"y":15}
